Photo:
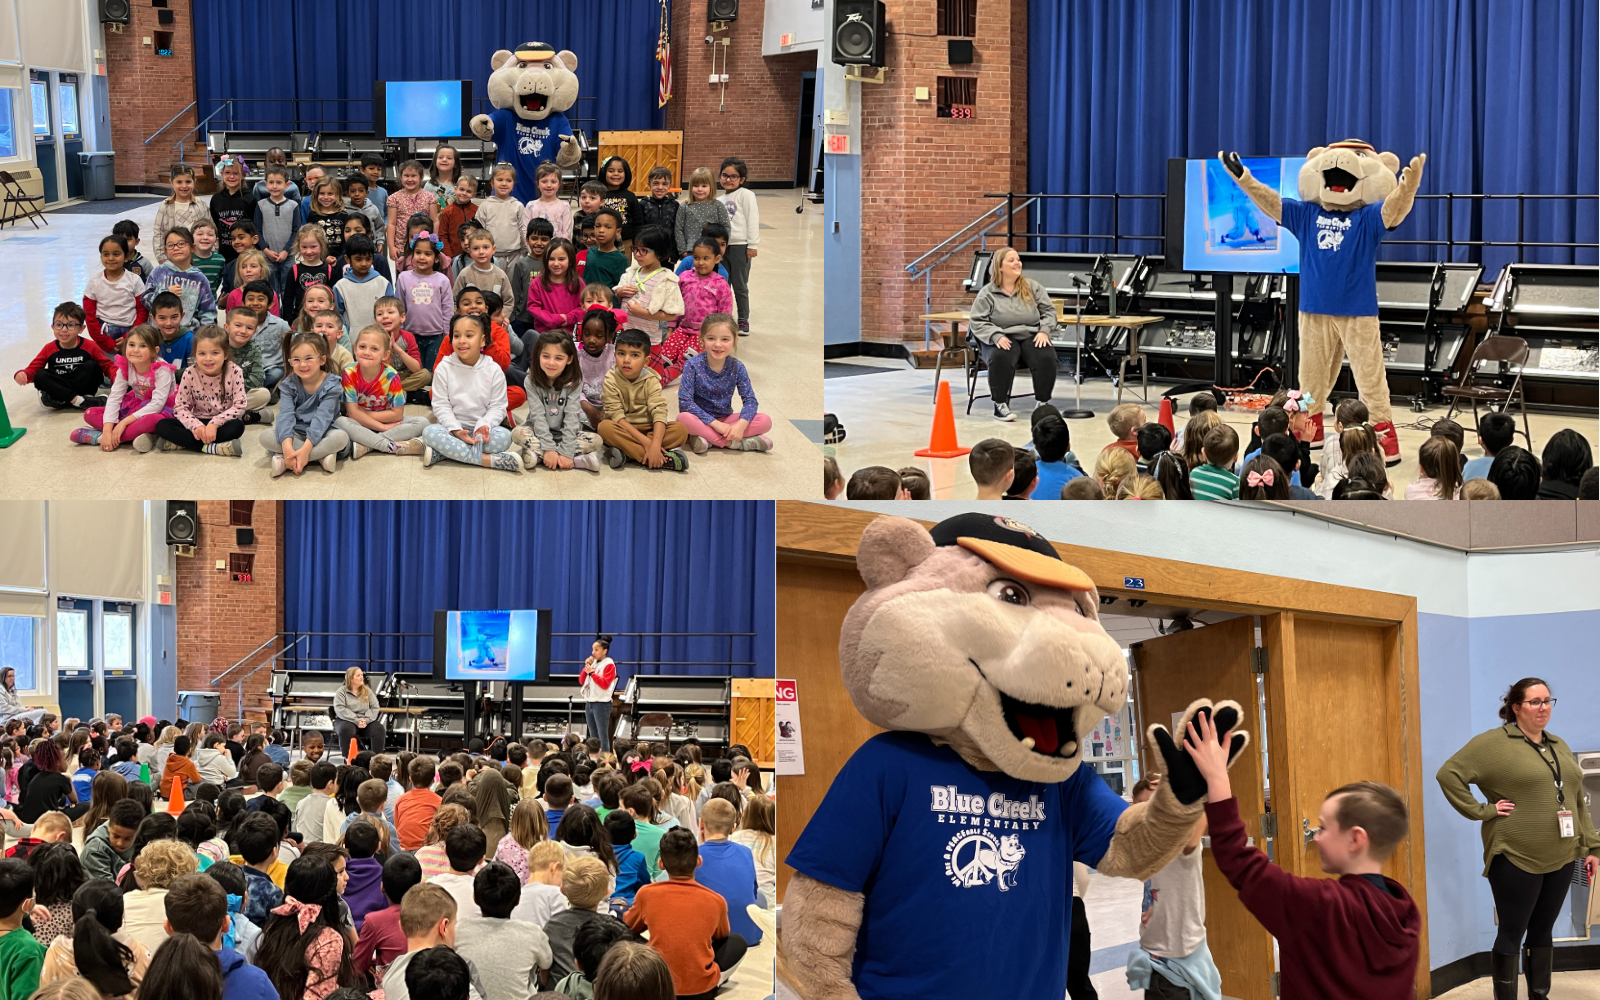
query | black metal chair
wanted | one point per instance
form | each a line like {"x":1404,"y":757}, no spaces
{"x":1508,"y":355}
{"x":18,"y":203}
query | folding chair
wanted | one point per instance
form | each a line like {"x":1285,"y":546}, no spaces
{"x":25,"y":204}
{"x":1508,"y":354}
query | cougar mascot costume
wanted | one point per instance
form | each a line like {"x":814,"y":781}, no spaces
{"x":1348,"y":197}
{"x":531,"y":90}
{"x":940,"y":862}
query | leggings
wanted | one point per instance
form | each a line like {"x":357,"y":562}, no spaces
{"x":759,"y":424}
{"x":405,"y":430}
{"x":1526,"y":904}
{"x":173,"y":430}
{"x":332,"y":442}
{"x":738,"y":262}
{"x":442,"y":441}
{"x":1002,"y":365}
{"x":95,"y":416}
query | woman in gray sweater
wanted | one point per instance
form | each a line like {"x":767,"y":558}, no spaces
{"x":356,"y":714}
{"x":1012,"y":319}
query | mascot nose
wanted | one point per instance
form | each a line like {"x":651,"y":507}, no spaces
{"x":1055,"y":657}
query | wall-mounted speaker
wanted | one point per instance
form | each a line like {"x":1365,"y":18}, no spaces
{"x":183,"y":522}
{"x":116,"y":11}
{"x":722,"y":10}
{"x":960,"y":51}
{"x":164,"y":17}
{"x":858,"y":32}
{"x":245,"y":537}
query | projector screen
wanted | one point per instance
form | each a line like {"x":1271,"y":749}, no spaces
{"x":1224,"y":231}
{"x":492,"y":645}
{"x":422,"y":109}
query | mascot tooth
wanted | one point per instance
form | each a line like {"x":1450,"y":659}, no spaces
{"x":531,"y":90}
{"x":982,"y":653}
{"x":1349,"y":197}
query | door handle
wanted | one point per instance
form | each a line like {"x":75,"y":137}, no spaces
{"x":1306,"y":831}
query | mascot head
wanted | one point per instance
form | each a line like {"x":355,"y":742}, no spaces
{"x":979,"y":635}
{"x":533,"y":81}
{"x":1348,"y":175}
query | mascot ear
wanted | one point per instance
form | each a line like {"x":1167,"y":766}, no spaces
{"x":569,"y":60}
{"x":1391,"y":161}
{"x":890,"y":548}
{"x":500,"y":58}
{"x":1314,"y":151}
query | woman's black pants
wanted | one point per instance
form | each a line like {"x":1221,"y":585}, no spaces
{"x":373,"y":736}
{"x":1526,"y":904}
{"x":1002,"y":366}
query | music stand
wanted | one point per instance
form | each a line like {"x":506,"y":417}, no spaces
{"x":1078,"y":412}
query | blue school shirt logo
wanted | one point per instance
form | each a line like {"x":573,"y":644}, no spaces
{"x":976,"y":858}
{"x":1330,"y":232}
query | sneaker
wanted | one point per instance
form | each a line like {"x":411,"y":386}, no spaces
{"x":589,"y":461}
{"x":522,"y":437}
{"x":508,"y":461}
{"x":228,"y":449}
{"x":277,"y":465}
{"x":429,"y":456}
{"x":699,"y":444}
{"x":166,"y":445}
{"x":330,"y":461}
{"x":144,"y":443}
{"x":85,"y":435}
{"x":356,"y":451}
{"x":1389,"y":441}
{"x":744,"y":328}
{"x":832,"y":430}
{"x":758,"y":443}
{"x":615,"y":457}
{"x":251,"y":417}
{"x":677,"y":459}
{"x":411,"y":447}
{"x":93,"y":401}
{"x":1002,"y":411}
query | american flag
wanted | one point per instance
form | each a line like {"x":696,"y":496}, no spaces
{"x":664,"y":57}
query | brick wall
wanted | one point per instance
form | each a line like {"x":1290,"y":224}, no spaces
{"x":220,"y":621}
{"x":146,"y":90}
{"x":758,"y":118}
{"x":924,"y":177}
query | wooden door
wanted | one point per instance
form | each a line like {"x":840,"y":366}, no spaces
{"x":1170,"y":672}
{"x":812,"y":601}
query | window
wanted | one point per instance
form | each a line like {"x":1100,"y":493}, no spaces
{"x":240,"y":513}
{"x":242,"y":565}
{"x":17,"y":649}
{"x":8,"y":120}
{"x":957,"y":96}
{"x":72,"y":640}
{"x":957,"y":17}
{"x":41,"y":108}
{"x":68,"y":92}
{"x":117,"y":630}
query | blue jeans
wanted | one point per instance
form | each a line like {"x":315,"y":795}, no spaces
{"x":597,"y":719}
{"x":273,"y":376}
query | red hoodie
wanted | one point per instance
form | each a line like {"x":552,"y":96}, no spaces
{"x":1337,"y":938}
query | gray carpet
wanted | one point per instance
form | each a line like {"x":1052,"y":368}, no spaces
{"x":114,"y":206}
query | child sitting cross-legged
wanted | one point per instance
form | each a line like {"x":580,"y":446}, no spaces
{"x":304,"y":431}
{"x":405,"y":356}
{"x":198,"y":905}
{"x":1214,"y":480}
{"x":635,"y":424}
{"x":21,"y":954}
{"x":542,"y":897}
{"x":112,"y":961}
{"x":555,"y":417}
{"x":590,"y":945}
{"x":650,"y":296}
{"x":469,"y":402}
{"x":727,"y":868}
{"x":584,"y":883}
{"x":374,"y":402}
{"x":428,"y":918}
{"x":688,"y":923}
{"x":1439,"y":461}
{"x":509,"y":953}
{"x":113,"y":299}
{"x":705,"y":397}
{"x":244,"y":351}
{"x":1354,"y":935}
{"x":632,"y":872}
{"x":381,"y":940}
{"x":69,"y":370}
{"x":141,"y":396}
{"x":210,"y":401}
{"x":305,"y":947}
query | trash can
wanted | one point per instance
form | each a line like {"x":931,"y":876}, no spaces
{"x":99,"y":175}
{"x":199,"y":706}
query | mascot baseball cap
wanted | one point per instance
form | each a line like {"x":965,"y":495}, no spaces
{"x":534,"y":52}
{"x":1013,"y":546}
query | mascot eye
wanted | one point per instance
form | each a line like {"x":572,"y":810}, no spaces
{"x":1011,"y":592}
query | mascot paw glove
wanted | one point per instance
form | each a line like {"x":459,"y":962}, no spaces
{"x":1232,"y":162}
{"x":1181,"y":774}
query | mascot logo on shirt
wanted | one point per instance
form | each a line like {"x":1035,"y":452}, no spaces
{"x":977,"y":857}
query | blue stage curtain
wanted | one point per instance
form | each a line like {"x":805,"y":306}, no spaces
{"x":1501,"y":95}
{"x":599,"y":566}
{"x":315,"y":49}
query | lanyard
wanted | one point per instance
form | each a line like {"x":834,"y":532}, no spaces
{"x":1554,"y":768}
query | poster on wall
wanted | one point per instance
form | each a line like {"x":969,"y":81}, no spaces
{"x":791,"y":754}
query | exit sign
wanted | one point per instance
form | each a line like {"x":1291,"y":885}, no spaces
{"x":838,"y":144}
{"x":786,"y":39}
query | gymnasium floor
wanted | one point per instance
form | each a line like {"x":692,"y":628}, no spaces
{"x":44,"y":267}
{"x":887,"y":410}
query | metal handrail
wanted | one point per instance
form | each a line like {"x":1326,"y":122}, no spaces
{"x":169,"y":124}
{"x":982,"y":235}
{"x":238,"y":685}
{"x":203,"y":123}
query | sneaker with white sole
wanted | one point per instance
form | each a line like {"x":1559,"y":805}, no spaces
{"x":277,"y":465}
{"x":758,"y":443}
{"x":508,"y":461}
{"x":330,"y":461}
{"x":411,"y":447}
{"x":589,"y":461}
{"x":84,"y":435}
{"x":677,"y":460}
{"x":357,"y":450}
{"x":228,"y":449}
{"x":429,"y":456}
{"x":1002,"y":411}
{"x":166,"y":445}
{"x":699,"y":444}
{"x":144,"y":443}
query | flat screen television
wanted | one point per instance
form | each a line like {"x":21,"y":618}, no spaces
{"x":491,"y":645}
{"x":422,"y":109}
{"x":1212,"y":227}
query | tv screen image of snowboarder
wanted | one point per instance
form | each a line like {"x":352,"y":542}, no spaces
{"x":1233,"y":223}
{"x":485,"y":644}
{"x":1223,"y":231}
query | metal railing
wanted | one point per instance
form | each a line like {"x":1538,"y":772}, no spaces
{"x":170,"y":123}
{"x":917,"y":269}
{"x":181,"y":144}
{"x":341,"y":123}
{"x":238,"y":685}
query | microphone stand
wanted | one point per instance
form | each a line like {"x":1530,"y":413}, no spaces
{"x":1078,"y":412}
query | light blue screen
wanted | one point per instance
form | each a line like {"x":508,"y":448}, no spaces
{"x":1224,"y":231}
{"x":422,"y":108}
{"x":491,"y":646}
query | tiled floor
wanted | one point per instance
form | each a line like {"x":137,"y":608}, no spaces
{"x":39,"y":269}
{"x":888,"y":410}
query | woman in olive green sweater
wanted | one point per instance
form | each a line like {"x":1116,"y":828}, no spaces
{"x":1536,"y":829}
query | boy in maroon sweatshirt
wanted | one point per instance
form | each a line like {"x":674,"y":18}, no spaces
{"x":1352,"y":936}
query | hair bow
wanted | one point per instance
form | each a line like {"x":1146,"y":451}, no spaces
{"x":1298,"y":402}
{"x":1259,"y":478}
{"x":436,"y":240}
{"x":639,"y":765}
{"x":219,"y":725}
{"x":230,"y":160}
{"x":307,"y":913}
{"x":235,"y":907}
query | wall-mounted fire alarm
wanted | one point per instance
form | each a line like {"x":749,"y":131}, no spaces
{"x":922,"y":93}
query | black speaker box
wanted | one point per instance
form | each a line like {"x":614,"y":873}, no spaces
{"x":245,"y":537}
{"x":116,"y":11}
{"x":961,"y":52}
{"x":183,"y":522}
{"x":858,"y":32}
{"x":722,"y":10}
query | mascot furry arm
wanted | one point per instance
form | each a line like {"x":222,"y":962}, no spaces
{"x":978,"y":637}
{"x":1397,"y":197}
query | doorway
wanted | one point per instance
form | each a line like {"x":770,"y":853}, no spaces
{"x":804,"y":158}
{"x":57,"y":107}
{"x":96,"y":658}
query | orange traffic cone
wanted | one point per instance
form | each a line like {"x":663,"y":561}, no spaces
{"x":175,"y":803}
{"x":1164,"y":418}
{"x":942,"y":442}
{"x":351,"y":754}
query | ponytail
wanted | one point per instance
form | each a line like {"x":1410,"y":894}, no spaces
{"x":100,"y":957}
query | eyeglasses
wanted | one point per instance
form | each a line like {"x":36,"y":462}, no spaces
{"x":639,"y":250}
{"x":1541,"y":703}
{"x":730,"y":175}
{"x":70,"y":324}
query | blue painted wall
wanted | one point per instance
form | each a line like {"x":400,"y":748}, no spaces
{"x":841,"y":258}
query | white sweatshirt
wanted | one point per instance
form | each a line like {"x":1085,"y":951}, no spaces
{"x":466,"y":397}
{"x":744,"y":217}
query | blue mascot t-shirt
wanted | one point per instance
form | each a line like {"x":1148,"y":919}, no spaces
{"x":525,"y":145}
{"x":1338,"y":257}
{"x":967,"y":874}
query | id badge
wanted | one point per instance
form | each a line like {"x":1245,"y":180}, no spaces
{"x":1564,"y":821}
